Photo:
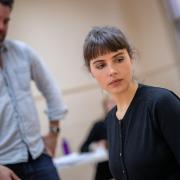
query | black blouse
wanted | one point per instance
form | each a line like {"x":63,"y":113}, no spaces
{"x":97,"y":133}
{"x":145,"y":144}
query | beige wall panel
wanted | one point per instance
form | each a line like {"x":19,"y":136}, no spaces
{"x":167,"y":77}
{"x":57,"y":28}
{"x":151,"y":34}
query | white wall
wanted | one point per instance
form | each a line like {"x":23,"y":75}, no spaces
{"x":152,"y":35}
{"x":57,"y":28}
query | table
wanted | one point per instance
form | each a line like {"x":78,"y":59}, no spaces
{"x":75,"y":158}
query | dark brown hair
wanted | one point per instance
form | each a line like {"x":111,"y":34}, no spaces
{"x":8,"y":3}
{"x":102,"y":40}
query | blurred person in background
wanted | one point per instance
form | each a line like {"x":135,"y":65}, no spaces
{"x":97,"y":138}
{"x":143,"y":128}
{"x":24,"y":153}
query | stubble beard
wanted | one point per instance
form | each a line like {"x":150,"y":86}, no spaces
{"x":2,"y":38}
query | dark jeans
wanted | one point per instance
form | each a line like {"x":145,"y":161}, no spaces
{"x":41,"y":168}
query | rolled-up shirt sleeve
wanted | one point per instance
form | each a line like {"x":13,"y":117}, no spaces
{"x":47,"y":85}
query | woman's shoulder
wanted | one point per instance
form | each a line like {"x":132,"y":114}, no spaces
{"x":154,"y":93}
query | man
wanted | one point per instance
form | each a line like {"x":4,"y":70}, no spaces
{"x":24,"y":153}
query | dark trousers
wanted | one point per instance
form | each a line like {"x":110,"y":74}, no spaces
{"x":41,"y":168}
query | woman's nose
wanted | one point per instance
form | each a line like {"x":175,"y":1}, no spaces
{"x":112,"y":70}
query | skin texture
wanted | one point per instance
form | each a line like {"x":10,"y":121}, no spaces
{"x":7,"y":174}
{"x":114,"y":73}
{"x":5,"y":12}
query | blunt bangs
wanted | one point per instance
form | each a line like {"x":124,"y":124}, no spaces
{"x":102,"y":41}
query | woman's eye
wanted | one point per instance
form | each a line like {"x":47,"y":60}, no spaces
{"x":119,"y":60}
{"x":100,"y":66}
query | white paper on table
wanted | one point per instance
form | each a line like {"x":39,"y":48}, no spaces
{"x":75,"y":158}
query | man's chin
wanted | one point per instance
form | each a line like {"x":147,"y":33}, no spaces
{"x":1,"y":40}
{"x":1,"y":43}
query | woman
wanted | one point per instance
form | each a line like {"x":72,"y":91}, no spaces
{"x":144,"y":127}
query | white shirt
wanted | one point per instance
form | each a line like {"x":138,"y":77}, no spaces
{"x":19,"y":122}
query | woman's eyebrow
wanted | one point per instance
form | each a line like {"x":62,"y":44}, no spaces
{"x":118,"y":54}
{"x":97,"y":61}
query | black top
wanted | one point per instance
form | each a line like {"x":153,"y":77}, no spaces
{"x":97,"y":133}
{"x":145,"y":144}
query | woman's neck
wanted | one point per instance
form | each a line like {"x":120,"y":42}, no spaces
{"x":124,"y":99}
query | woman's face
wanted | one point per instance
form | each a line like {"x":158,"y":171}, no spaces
{"x":113,"y":71}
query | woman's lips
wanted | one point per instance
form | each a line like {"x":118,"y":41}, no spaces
{"x":115,"y":82}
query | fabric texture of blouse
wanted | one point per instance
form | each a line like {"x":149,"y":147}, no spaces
{"x":145,"y":144}
{"x":19,"y":120}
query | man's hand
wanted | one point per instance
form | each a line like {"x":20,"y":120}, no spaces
{"x":50,"y":141}
{"x":7,"y":174}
